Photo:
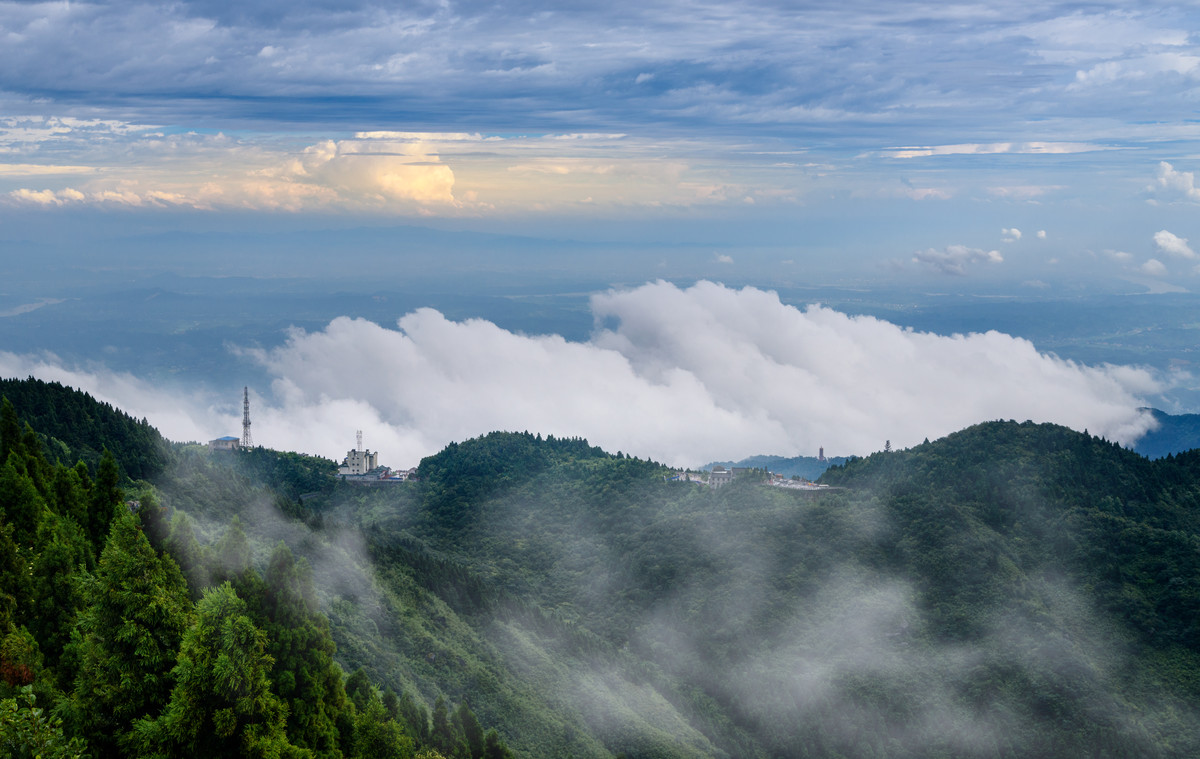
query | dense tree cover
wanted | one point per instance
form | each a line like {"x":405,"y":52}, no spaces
{"x":77,"y":427}
{"x":290,"y":474}
{"x":102,"y":652}
{"x":1010,"y":590}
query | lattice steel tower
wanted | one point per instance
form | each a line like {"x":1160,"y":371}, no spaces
{"x":247,"y":441}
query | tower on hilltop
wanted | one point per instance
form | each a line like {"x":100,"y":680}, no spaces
{"x":247,"y":441}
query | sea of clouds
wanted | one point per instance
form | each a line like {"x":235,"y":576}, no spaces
{"x":682,"y":375}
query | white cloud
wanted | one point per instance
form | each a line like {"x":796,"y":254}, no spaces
{"x":1181,"y":184}
{"x":1022,"y":192}
{"x":724,"y":259}
{"x":1154,"y":268}
{"x":683,"y":375}
{"x":1041,"y":234}
{"x":954,"y":259}
{"x":1011,"y":234}
{"x":994,"y":148}
{"x":33,"y":170}
{"x":1173,"y":244}
{"x":375,"y":174}
{"x":1140,"y":68}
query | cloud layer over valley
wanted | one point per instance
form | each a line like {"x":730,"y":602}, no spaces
{"x":681,"y":375}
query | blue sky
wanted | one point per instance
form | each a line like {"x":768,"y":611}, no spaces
{"x":1044,"y":148}
{"x":1074,"y":120}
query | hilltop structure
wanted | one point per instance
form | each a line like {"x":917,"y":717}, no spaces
{"x":227,"y":443}
{"x":358,"y":461}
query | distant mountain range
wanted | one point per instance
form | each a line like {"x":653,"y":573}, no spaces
{"x":1175,"y":433}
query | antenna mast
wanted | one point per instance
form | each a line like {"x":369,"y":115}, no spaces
{"x":247,"y":441}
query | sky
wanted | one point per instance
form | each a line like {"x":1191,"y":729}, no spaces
{"x":1045,"y":147}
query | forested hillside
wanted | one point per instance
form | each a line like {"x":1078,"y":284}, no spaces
{"x":1010,"y":590}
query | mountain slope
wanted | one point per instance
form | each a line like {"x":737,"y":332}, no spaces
{"x":1009,"y":590}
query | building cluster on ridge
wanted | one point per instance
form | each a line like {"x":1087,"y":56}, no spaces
{"x":362,"y":466}
{"x":721,"y":476}
{"x":359,"y":465}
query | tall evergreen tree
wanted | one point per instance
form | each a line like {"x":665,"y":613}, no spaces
{"x":136,"y":609}
{"x":306,"y":676}
{"x":70,"y":494}
{"x":443,"y":737}
{"x":414,"y":717}
{"x":229,"y":559}
{"x":378,"y":736}
{"x":55,"y":593}
{"x":186,"y":550}
{"x":106,"y":496}
{"x":10,"y":429}
{"x":470,"y":729}
{"x":15,"y":579}
{"x":20,"y":503}
{"x":222,"y":704}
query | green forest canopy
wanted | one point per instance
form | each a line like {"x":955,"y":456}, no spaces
{"x":1009,"y":590}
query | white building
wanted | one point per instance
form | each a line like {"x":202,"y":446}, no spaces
{"x":227,"y":443}
{"x":358,"y":461}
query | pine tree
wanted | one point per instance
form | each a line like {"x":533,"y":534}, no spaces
{"x":229,"y":559}
{"x":70,"y":490}
{"x":415,"y":718}
{"x":136,"y":609}
{"x":185,"y":549}
{"x":55,"y":593}
{"x":444,"y":738}
{"x":106,"y":497}
{"x":359,"y":689}
{"x":20,"y":503}
{"x":15,"y":579}
{"x":306,"y":677}
{"x":222,"y":704}
{"x":378,"y":736}
{"x":10,"y":430}
{"x":470,"y":729}
{"x":494,"y":748}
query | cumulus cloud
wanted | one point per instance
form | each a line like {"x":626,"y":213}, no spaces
{"x":1173,"y":244}
{"x":1011,"y":234}
{"x":954,"y":259}
{"x":1041,"y":234}
{"x":1178,"y":184}
{"x":682,"y":375}
{"x":1154,"y":268}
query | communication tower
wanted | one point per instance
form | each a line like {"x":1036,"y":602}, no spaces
{"x":247,"y":441}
